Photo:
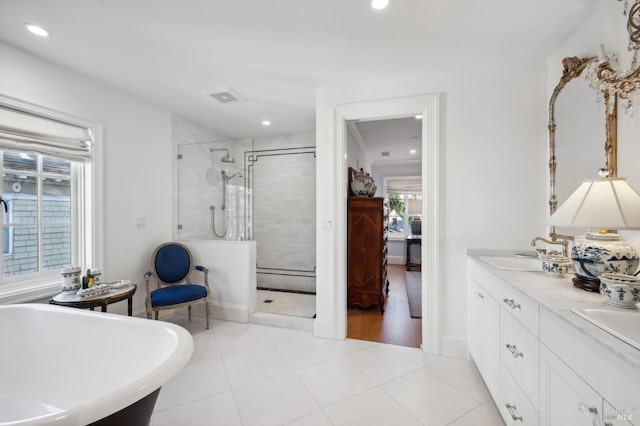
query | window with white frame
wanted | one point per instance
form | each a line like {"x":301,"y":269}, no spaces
{"x":49,"y":175}
{"x":404,"y":194}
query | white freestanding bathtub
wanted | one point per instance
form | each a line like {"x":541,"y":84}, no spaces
{"x":70,"y":366}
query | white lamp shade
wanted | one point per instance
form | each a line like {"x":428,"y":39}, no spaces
{"x":415,"y":207}
{"x":607,"y":203}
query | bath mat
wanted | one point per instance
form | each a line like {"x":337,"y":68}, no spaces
{"x":413,"y":281}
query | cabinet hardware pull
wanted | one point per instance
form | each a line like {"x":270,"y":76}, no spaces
{"x":586,"y":410}
{"x":514,"y":351}
{"x":480,"y":295}
{"x":511,"y":303}
{"x":512,"y":410}
{"x":592,"y":411}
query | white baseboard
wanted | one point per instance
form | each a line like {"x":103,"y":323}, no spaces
{"x":229,"y":312}
{"x":324,"y":329}
{"x":217,"y":310}
{"x":395,"y":260}
{"x":282,"y":321}
{"x":453,"y":346}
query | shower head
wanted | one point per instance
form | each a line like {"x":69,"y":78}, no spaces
{"x":227,"y":158}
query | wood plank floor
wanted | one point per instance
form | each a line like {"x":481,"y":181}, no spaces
{"x":395,"y":326}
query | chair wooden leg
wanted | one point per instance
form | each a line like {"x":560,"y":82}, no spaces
{"x":148,"y":315}
{"x":156,"y":312}
{"x":189,"y":309}
{"x":206,"y":309}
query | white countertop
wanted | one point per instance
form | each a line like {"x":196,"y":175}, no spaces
{"x":558,"y":296}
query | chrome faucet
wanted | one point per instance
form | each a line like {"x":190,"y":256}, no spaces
{"x":560,"y":242}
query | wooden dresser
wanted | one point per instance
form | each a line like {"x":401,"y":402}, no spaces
{"x":367,"y":223}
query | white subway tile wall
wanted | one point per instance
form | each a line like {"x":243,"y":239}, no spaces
{"x":279,"y":190}
{"x":284,"y":209}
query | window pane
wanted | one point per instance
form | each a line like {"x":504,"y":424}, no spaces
{"x":56,"y":200}
{"x":56,"y":165}
{"x":22,"y":209}
{"x":396,"y":213}
{"x":20,"y":161}
{"x":56,"y":246}
{"x":24,"y":256}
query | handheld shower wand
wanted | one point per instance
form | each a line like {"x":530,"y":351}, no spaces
{"x":225,"y":218}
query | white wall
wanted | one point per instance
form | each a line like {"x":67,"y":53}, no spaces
{"x":137,"y":157}
{"x":356,"y":157}
{"x":493,"y":119}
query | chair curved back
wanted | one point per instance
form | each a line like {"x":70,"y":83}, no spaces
{"x":172,"y":263}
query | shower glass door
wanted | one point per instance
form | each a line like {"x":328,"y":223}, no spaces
{"x":211,"y":190}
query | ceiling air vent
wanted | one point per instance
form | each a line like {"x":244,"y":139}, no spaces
{"x":227,"y":95}
{"x":385,"y":153}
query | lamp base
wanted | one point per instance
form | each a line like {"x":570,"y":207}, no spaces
{"x":586,"y":284}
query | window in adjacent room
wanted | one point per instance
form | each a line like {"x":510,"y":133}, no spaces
{"x":404,"y":195}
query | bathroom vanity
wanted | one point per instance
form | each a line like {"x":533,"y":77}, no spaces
{"x":542,"y":362}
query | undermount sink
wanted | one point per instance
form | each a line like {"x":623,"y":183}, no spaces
{"x":513,"y":263}
{"x":625,"y":325}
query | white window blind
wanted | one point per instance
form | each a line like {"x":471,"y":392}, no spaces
{"x":404,"y":185}
{"x":20,"y":130}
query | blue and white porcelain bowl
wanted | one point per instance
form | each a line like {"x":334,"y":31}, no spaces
{"x":607,"y":253}
{"x":556,"y":266}
{"x":620,"y":290}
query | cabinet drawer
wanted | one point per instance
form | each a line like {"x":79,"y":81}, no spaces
{"x":514,"y":406}
{"x":520,"y":306}
{"x":519,"y":352}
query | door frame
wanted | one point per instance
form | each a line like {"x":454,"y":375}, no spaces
{"x":429,"y":106}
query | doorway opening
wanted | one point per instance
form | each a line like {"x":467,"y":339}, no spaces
{"x":387,"y":149}
{"x":428,"y":106}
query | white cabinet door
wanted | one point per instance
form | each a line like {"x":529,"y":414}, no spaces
{"x":566,"y":399}
{"x":491,"y":343}
{"x":484,"y":342}
{"x":476,"y":295}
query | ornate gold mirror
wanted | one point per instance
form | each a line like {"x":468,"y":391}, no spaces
{"x":585,"y":139}
{"x":584,"y":142}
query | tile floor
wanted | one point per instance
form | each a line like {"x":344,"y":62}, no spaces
{"x":249,"y":374}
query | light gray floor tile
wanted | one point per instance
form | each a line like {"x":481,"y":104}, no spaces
{"x":428,"y":398}
{"x":333,"y":380}
{"x":216,"y":410}
{"x":371,"y":408}
{"x":274,"y":401}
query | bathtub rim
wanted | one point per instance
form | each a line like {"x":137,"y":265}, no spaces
{"x":115,"y":400}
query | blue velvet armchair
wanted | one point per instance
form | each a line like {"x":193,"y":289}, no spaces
{"x":171,"y":267}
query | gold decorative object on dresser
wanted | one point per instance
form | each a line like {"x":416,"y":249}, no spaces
{"x":367,"y":224}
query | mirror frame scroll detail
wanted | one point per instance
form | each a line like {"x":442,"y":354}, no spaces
{"x":573,"y":68}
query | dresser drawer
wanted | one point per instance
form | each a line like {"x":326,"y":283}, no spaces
{"x":514,"y":406}
{"x":519,"y":352}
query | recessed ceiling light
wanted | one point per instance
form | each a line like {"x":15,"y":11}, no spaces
{"x":413,"y":151}
{"x":418,"y":116}
{"x":37,"y":30}
{"x":266,"y":123}
{"x":379,"y":4}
